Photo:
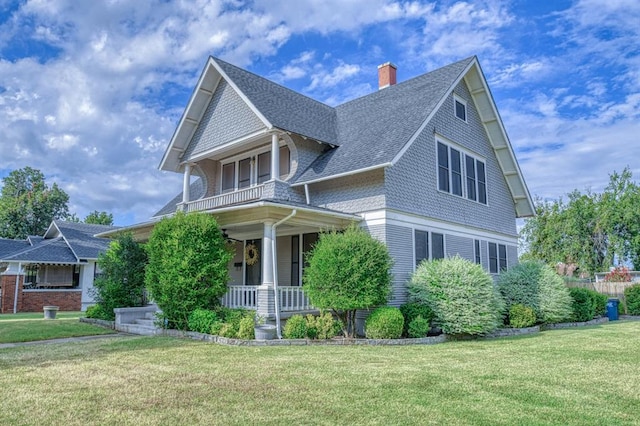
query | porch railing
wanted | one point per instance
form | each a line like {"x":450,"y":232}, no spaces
{"x":241,"y":296}
{"x":246,"y":296}
{"x":235,"y":197}
{"x":293,"y":299}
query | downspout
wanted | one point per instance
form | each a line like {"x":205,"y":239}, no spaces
{"x":15,"y":296}
{"x":275,"y":268}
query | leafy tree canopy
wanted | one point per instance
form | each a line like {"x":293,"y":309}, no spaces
{"x":99,"y":218}
{"x":590,"y":230}
{"x":28,"y":204}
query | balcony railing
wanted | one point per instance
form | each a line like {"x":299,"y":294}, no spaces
{"x":235,"y":197}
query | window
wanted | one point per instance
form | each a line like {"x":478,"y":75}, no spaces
{"x":285,"y":161}
{"x":443,"y":167}
{"x":437,"y":246}
{"x":497,"y":258}
{"x":244,"y":173}
{"x":228,"y":177}
{"x":422,"y":249}
{"x":470,"y":183}
{"x":264,"y":167}
{"x":421,"y":246}
{"x":460,"y":107}
{"x":476,"y":251}
{"x":252,"y":170}
{"x":295,"y":260}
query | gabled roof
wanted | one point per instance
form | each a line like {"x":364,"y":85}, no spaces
{"x":275,"y":105}
{"x":370,"y":132}
{"x":63,"y":242}
{"x":373,"y":129}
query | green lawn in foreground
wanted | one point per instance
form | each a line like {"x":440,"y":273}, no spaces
{"x":583,"y":376}
{"x":39,"y":315}
{"x":23,"y":328}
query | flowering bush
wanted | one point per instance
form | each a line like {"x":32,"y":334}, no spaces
{"x":619,"y":274}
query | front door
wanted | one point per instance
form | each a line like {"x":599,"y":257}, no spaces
{"x":253,"y":262}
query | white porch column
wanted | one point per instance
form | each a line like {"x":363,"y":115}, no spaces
{"x":275,"y":157}
{"x":267,"y":254}
{"x":186,"y":184}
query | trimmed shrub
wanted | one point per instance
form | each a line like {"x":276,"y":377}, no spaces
{"x":419,"y":327}
{"x":521,"y":316}
{"x":246,"y":328}
{"x":201,"y":320}
{"x":121,"y":283}
{"x":323,"y":326}
{"x":187,"y":270}
{"x":385,"y":322}
{"x":460,"y":294}
{"x":347,"y":271}
{"x":411,"y":311}
{"x":536,"y":285}
{"x":621,"y":308}
{"x":295,"y":328}
{"x":98,"y":312}
{"x":599,"y":301}
{"x":587,"y":304}
{"x":632,"y":299}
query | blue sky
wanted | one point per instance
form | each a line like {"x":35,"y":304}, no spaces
{"x":91,"y":92}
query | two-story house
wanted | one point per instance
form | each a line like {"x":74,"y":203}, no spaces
{"x":424,"y":165}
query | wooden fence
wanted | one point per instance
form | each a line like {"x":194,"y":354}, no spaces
{"x":611,"y":289}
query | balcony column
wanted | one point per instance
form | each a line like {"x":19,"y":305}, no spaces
{"x":266,"y":300}
{"x":275,"y":157}
{"x":186,"y":184}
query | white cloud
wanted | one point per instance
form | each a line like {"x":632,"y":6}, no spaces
{"x":325,"y":79}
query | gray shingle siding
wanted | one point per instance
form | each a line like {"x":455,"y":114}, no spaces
{"x":226,"y":118}
{"x":411,"y":184}
{"x":352,"y":194}
{"x":461,"y":246}
{"x":399,"y":241}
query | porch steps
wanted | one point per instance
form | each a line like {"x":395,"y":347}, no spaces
{"x":138,"y":321}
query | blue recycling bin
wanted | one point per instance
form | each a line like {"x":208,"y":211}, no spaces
{"x":612,"y":309}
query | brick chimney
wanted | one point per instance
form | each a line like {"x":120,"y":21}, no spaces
{"x":386,"y":75}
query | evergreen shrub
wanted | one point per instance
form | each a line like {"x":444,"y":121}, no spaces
{"x":324,"y":326}
{"x":295,"y":328}
{"x":385,"y":322}
{"x":632,"y":299}
{"x":521,"y":316}
{"x":536,"y":285}
{"x":461,"y":295}
{"x":411,"y":311}
{"x":201,"y":320}
{"x":419,"y":327}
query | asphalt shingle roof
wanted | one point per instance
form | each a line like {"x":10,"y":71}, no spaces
{"x":284,"y":108}
{"x":8,"y":247}
{"x":54,"y":250}
{"x":196,"y":191}
{"x":80,"y":237}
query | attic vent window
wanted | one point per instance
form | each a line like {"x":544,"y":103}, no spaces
{"x":460,"y":107}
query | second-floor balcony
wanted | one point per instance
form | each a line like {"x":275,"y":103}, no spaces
{"x":226,"y":199}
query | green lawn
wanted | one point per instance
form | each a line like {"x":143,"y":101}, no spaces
{"x":31,"y":326}
{"x":584,"y":376}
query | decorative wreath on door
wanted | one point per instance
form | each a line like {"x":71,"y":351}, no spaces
{"x":251,"y":254}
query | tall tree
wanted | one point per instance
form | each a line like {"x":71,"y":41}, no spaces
{"x":592,"y":230}
{"x":28,"y":204}
{"x":99,"y":218}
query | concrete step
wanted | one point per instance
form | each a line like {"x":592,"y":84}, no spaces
{"x":145,"y":322}
{"x":150,"y":315}
{"x":143,"y":330}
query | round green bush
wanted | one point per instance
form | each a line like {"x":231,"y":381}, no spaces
{"x":536,"y":285}
{"x":521,"y":316}
{"x":460,"y":294}
{"x":411,"y":311}
{"x":419,"y":327}
{"x":295,"y":328}
{"x":324,"y":326}
{"x":384,"y":323}
{"x":632,"y":299}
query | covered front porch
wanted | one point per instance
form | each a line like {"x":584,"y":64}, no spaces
{"x":270,"y":239}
